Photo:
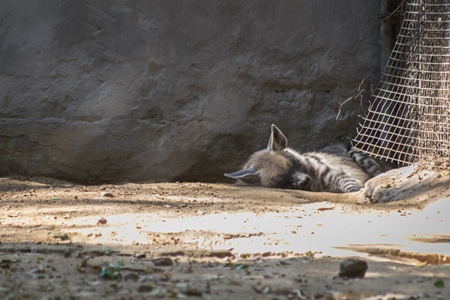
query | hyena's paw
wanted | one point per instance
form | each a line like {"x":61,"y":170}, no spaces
{"x":349,"y":185}
{"x":367,"y":164}
{"x":353,"y":190}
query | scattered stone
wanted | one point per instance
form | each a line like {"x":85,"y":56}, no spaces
{"x":353,"y":268}
{"x":102,"y":221}
{"x":219,"y":253}
{"x":163,"y":262}
{"x":130,"y":277}
{"x":68,"y":253}
{"x":192,"y":292}
{"x":140,"y":255}
{"x":106,"y":194}
{"x":174,"y":253}
{"x":145,"y":288}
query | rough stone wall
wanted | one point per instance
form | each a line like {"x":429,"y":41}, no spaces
{"x":175,"y":90}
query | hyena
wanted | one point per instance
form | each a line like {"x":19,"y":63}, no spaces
{"x":334,"y":169}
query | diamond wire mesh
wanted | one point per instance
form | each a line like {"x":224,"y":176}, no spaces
{"x":408,"y":118}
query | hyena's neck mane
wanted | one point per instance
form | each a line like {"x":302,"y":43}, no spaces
{"x":299,"y":159}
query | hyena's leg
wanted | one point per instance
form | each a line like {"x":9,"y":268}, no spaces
{"x":347,"y":184}
{"x":367,"y":164}
{"x":332,"y":174}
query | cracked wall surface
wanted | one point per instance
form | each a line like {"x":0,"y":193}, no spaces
{"x":175,"y":90}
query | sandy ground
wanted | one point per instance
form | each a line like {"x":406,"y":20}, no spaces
{"x":214,"y":241}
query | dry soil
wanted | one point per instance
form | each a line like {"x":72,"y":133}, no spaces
{"x":213,"y":241}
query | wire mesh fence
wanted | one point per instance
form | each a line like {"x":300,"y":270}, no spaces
{"x":408,"y":118}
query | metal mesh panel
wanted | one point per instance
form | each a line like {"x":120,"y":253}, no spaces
{"x":408,"y":118}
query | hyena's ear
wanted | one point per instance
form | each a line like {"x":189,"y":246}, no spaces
{"x":249,"y":176}
{"x":250,"y":171}
{"x":277,"y":141}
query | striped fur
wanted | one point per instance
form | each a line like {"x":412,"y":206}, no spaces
{"x":371,"y":167}
{"x":333,"y":170}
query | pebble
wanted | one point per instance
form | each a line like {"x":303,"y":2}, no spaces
{"x":145,"y":288}
{"x":102,"y":221}
{"x":106,"y":194}
{"x":353,"y":268}
{"x":163,"y":262}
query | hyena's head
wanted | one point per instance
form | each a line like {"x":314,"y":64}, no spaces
{"x":275,"y":167}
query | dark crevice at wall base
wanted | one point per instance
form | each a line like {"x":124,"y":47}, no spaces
{"x":391,"y":19}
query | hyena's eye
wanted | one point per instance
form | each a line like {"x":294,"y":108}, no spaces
{"x":300,"y":180}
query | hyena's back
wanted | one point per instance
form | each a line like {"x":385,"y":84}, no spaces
{"x":334,"y":172}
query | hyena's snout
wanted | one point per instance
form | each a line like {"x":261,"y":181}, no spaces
{"x":299,"y":181}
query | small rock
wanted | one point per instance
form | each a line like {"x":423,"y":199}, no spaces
{"x":145,"y":288}
{"x":102,"y":221}
{"x":139,"y":255}
{"x":192,"y":292}
{"x":163,"y":262}
{"x":106,"y":194}
{"x":131,"y":277}
{"x":353,"y":268}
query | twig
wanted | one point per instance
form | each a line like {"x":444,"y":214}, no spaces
{"x":395,"y":10}
{"x":347,"y":100}
{"x":359,"y":94}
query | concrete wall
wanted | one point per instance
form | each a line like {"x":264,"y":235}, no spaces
{"x":175,"y":90}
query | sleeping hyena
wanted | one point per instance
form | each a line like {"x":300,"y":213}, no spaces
{"x":333,"y":170}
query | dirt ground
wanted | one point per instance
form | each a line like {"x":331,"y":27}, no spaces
{"x":213,"y":241}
